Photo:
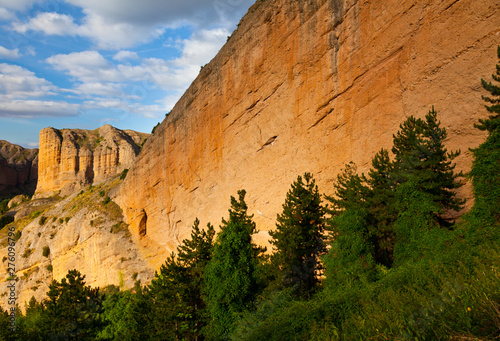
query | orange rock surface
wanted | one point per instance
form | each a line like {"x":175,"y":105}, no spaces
{"x":72,"y":158}
{"x":307,"y":86}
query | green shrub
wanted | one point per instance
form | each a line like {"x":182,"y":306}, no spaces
{"x":101,"y":193}
{"x":34,"y":215}
{"x":5,"y":220}
{"x":45,"y":251}
{"x":49,"y":267}
{"x":27,"y":253}
{"x":42,"y":220}
{"x":124,"y":174}
{"x":106,"y":200}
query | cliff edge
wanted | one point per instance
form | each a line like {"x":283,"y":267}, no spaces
{"x":73,"y":158}
{"x":308,"y":86}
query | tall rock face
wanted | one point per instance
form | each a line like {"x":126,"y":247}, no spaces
{"x":308,"y":86}
{"x":73,"y":158}
{"x":18,"y":169}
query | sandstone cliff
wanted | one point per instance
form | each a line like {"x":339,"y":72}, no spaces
{"x":73,"y":158}
{"x":83,"y":231}
{"x":18,"y":169}
{"x":308,"y":86}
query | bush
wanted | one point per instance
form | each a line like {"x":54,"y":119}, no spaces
{"x":124,"y":174}
{"x":45,"y":251}
{"x":101,"y":193}
{"x":42,"y":220}
{"x":27,"y":253}
{"x":106,"y":200}
{"x":50,"y":268}
{"x":5,"y":220}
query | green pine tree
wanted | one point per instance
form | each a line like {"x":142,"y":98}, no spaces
{"x":231,"y":275}
{"x":420,"y":154}
{"x":493,"y":121}
{"x":485,"y":171}
{"x":299,"y":237}
{"x":178,"y":309}
{"x":72,"y":309}
{"x":350,"y":191}
{"x":381,"y":210}
{"x":126,"y":315}
{"x":350,"y":259}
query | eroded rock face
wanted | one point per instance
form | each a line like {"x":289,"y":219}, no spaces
{"x":72,"y":158}
{"x":308,"y":86}
{"x":77,"y":232}
{"x":18,"y":169}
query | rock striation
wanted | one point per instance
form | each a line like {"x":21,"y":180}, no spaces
{"x":18,"y":169}
{"x":73,"y":158}
{"x":308,"y":86}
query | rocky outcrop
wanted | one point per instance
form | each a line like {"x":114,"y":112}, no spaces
{"x":18,"y":169}
{"x":308,"y":86}
{"x":80,"y":231}
{"x":73,"y":158}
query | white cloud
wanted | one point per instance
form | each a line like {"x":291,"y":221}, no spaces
{"x":18,"y":89}
{"x":87,"y":67}
{"x":124,"y":55}
{"x":17,"y":5}
{"x":202,"y":46}
{"x":37,"y":108}
{"x":17,"y":82}
{"x":6,"y":53}
{"x":5,"y":14}
{"x":119,"y":24}
{"x":49,"y":23}
{"x":100,"y":89}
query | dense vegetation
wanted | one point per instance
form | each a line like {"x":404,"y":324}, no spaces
{"x":379,"y":259}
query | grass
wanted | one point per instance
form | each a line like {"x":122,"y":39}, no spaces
{"x":95,"y":198}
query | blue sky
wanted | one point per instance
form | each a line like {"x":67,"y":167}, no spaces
{"x":86,"y":63}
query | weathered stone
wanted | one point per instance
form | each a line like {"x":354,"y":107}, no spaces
{"x":71,"y":159}
{"x":18,"y":169}
{"x":306,"y":86}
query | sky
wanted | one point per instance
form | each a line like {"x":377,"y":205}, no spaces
{"x":85,"y":63}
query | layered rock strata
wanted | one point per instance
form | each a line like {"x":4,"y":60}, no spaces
{"x":308,"y":86}
{"x":73,"y":158}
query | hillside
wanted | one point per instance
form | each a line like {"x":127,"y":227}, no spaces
{"x":18,"y":169}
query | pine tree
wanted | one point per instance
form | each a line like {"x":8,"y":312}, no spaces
{"x":299,"y":237}
{"x":493,"y":121}
{"x":350,"y":191}
{"x":420,"y":154}
{"x":485,"y":171}
{"x":350,"y":259}
{"x":72,"y":309}
{"x":381,"y":208}
{"x":231,"y":275}
{"x":178,"y":308}
{"x":126,"y":314}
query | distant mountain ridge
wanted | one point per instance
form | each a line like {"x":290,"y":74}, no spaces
{"x":18,"y":169}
